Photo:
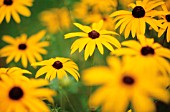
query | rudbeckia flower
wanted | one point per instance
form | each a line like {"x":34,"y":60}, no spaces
{"x":92,"y":37}
{"x":121,"y":84}
{"x":57,"y":67}
{"x":87,"y":13}
{"x":55,"y":19}
{"x":24,"y":96}
{"x":101,"y":5}
{"x":23,"y":48}
{"x":134,"y":21}
{"x":14,"y":72}
{"x":147,"y":53}
{"x":165,"y":24}
{"x":12,"y":8}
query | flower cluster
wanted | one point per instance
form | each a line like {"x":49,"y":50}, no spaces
{"x":122,"y":63}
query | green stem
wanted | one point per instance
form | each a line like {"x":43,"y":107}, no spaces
{"x":69,"y":102}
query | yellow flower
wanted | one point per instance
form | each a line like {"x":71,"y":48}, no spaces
{"x":125,"y":2}
{"x":14,"y":72}
{"x":165,"y":24}
{"x":147,"y":53}
{"x":122,"y":83}
{"x":108,"y":22}
{"x":85,"y":11}
{"x":10,"y":8}
{"x":134,"y":20}
{"x":24,"y":48}
{"x":92,"y":37}
{"x":57,"y":66}
{"x":101,"y":5}
{"x":56,"y":19}
{"x":24,"y":96}
{"x":167,"y":2}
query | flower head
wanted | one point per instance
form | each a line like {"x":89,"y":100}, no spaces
{"x":147,"y":53}
{"x":165,"y":28}
{"x":24,"y":96}
{"x":14,"y":72}
{"x":57,"y":66}
{"x":55,"y":19}
{"x":134,"y":21}
{"x":92,"y":37}
{"x":24,"y":48}
{"x":10,"y":8}
{"x":122,"y":83}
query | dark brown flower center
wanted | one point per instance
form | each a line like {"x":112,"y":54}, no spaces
{"x":104,"y":19}
{"x":147,"y":50}
{"x":8,"y":2}
{"x":57,"y":65}
{"x":16,"y":93}
{"x":128,"y":80}
{"x":138,"y":12}
{"x":168,"y":17}
{"x":93,"y":34}
{"x":22,"y":46}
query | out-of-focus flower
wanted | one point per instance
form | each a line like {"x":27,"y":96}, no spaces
{"x":167,"y":2}
{"x":56,"y":19}
{"x":122,"y":83}
{"x":88,"y":12}
{"x":165,"y":28}
{"x":14,"y":72}
{"x":93,"y":37}
{"x":24,"y":49}
{"x":101,"y":5}
{"x":124,"y":3}
{"x":12,"y":8}
{"x":24,"y":96}
{"x":147,"y":53}
{"x":57,"y":66}
{"x":135,"y":20}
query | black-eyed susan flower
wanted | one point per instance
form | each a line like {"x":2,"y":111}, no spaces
{"x":14,"y":72}
{"x":12,"y":8}
{"x":121,"y":84}
{"x":165,"y":24}
{"x":88,"y":13}
{"x":135,"y":20}
{"x":57,"y":67}
{"x":101,"y":5}
{"x":148,"y":53}
{"x":23,"y":48}
{"x":24,"y":96}
{"x":92,"y":37}
{"x":55,"y":19}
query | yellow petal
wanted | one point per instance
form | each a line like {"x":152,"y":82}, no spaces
{"x":23,"y":10}
{"x":132,"y":44}
{"x":97,"y":26}
{"x":24,"y":60}
{"x":103,"y":32}
{"x":111,"y":40}
{"x":152,"y":23}
{"x":142,"y":103}
{"x":86,"y":29}
{"x":75,"y":34}
{"x":9,"y":39}
{"x":107,"y":45}
{"x":99,"y":46}
{"x":127,"y":29}
{"x":142,"y":26}
{"x":96,"y":75}
{"x":120,"y":12}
